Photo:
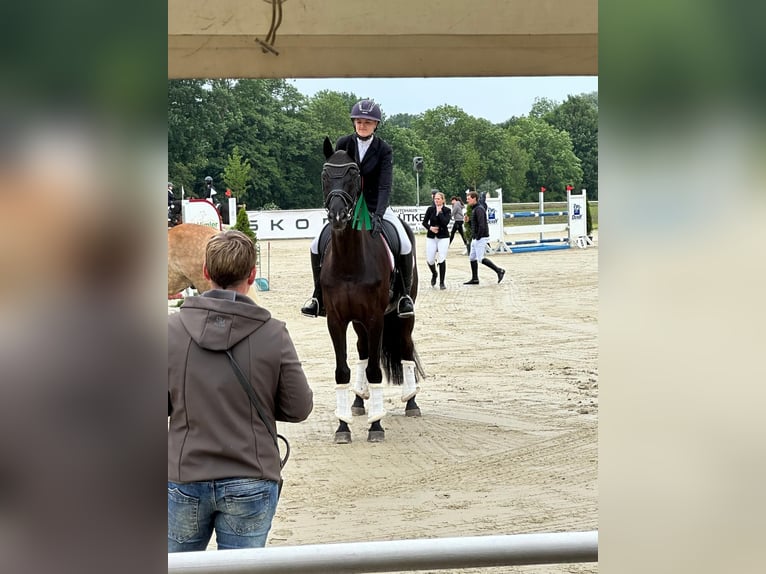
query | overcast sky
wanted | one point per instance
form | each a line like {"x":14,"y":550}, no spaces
{"x":495,"y":99}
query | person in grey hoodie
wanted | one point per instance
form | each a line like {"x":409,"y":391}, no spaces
{"x":457,"y":225}
{"x":223,"y":464}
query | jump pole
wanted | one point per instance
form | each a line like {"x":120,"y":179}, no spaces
{"x":543,"y":247}
{"x":542,"y":212}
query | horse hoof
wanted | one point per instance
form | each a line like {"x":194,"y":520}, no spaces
{"x":376,"y":436}
{"x":343,"y":437}
{"x":412,"y":413}
{"x":357,"y":411}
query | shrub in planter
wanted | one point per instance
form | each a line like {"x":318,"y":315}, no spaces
{"x":243,"y":225}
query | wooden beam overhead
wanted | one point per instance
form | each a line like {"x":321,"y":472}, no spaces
{"x":395,"y":38}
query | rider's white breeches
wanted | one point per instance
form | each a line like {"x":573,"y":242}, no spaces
{"x":389,"y":215}
{"x":434,"y":247}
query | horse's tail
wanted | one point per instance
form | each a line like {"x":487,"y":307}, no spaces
{"x":396,"y":341}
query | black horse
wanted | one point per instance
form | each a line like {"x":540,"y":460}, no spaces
{"x":358,"y":287}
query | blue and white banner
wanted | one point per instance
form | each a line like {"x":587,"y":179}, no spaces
{"x":578,"y":216}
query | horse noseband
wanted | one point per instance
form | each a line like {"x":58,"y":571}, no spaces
{"x":334,"y":172}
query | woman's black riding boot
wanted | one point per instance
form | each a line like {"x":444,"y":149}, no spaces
{"x":406,"y":308}
{"x":314,"y":307}
{"x":442,"y":273}
{"x":500,"y":272}
{"x":432,"y":267}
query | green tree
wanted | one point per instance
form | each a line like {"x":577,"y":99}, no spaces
{"x":442,"y":130}
{"x":472,"y":170}
{"x":278,"y":133}
{"x":188,"y":124}
{"x":541,"y":108}
{"x":236,"y":173}
{"x":464,"y":151}
{"x":578,"y":116}
{"x":467,"y":227}
{"x":406,"y":145}
{"x":552,"y":163}
{"x":401,"y":120}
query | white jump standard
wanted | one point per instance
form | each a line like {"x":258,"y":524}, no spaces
{"x":575,"y":228}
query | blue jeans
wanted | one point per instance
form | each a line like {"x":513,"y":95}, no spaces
{"x":239,"y":509}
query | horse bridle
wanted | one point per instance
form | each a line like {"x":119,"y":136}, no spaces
{"x":337,"y":172}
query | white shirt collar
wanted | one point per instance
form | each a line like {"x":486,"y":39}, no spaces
{"x":363,"y":146}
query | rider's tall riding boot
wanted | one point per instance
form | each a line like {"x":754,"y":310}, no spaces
{"x":432,"y":267}
{"x":406,"y":307}
{"x":314,"y":307}
{"x":442,"y":273}
{"x":500,"y":272}
{"x":474,"y":274}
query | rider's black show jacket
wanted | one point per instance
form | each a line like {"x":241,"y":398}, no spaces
{"x":376,"y":170}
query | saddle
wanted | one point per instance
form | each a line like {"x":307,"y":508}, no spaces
{"x":391,"y":237}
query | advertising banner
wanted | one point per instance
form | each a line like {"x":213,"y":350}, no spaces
{"x":201,"y":212}
{"x":307,"y":223}
{"x":495,"y":216}
{"x":577,"y":209}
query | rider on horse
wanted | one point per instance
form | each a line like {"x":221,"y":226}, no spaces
{"x":375,"y":159}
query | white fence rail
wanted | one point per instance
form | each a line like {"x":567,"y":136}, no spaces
{"x":394,"y":555}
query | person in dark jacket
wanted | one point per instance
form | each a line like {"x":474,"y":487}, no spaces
{"x":376,"y":166}
{"x":210,"y":190}
{"x":436,"y":221}
{"x":479,"y":239}
{"x":223,"y":463}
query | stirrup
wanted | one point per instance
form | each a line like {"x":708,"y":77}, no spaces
{"x":405,"y":314}
{"x":312,"y":308}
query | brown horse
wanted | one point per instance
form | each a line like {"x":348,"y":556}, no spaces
{"x":186,"y":255}
{"x":356,"y":280}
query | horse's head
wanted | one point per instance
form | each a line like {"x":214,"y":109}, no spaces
{"x":341,"y":184}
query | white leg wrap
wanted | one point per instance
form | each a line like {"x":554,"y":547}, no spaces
{"x":343,"y":402}
{"x":409,"y":387}
{"x":375,"y":410}
{"x":360,"y":383}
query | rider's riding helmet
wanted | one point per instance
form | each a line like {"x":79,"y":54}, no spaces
{"x":208,"y":179}
{"x":367,"y":110}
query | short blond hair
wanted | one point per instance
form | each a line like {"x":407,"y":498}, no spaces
{"x":229,"y":258}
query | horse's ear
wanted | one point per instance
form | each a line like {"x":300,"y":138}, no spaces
{"x":328,"y":149}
